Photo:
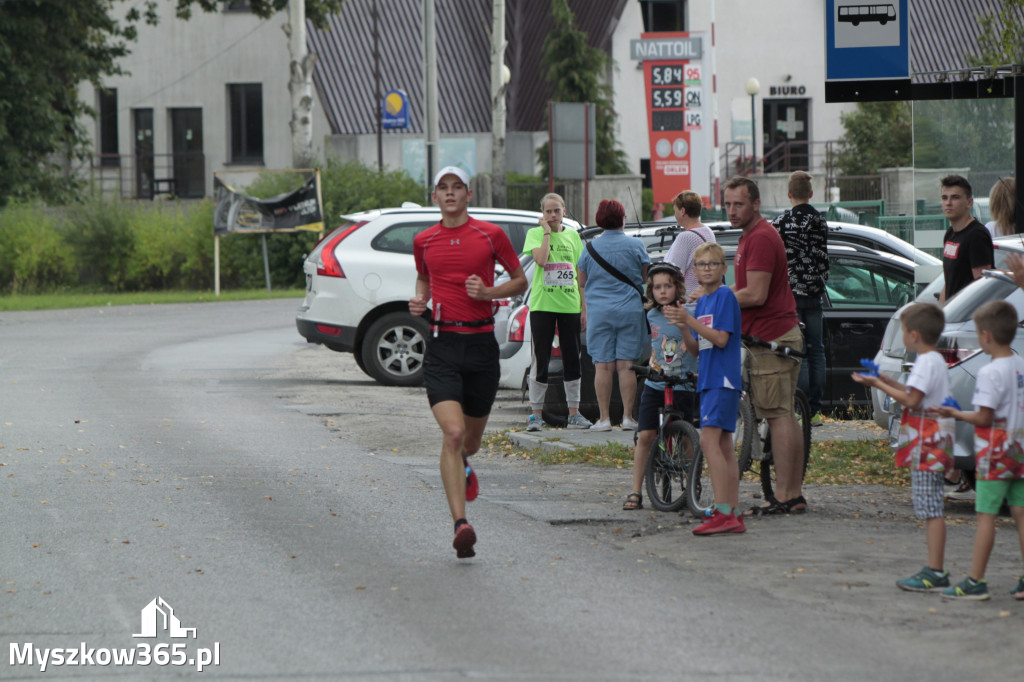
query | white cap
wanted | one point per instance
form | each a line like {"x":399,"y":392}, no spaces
{"x":452,"y":170}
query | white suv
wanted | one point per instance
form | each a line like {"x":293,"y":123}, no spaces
{"x":360,"y":277}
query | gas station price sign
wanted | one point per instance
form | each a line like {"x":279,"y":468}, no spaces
{"x":673,"y":87}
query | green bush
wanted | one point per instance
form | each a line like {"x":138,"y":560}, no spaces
{"x":101,"y":237}
{"x":34,"y":258}
{"x":349,"y":187}
{"x":104,"y":245}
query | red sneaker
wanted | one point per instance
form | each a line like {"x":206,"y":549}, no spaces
{"x":741,"y":526}
{"x":472,"y":485}
{"x":716,"y":523}
{"x":465,"y":538}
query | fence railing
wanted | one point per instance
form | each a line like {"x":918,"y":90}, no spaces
{"x":148,"y":176}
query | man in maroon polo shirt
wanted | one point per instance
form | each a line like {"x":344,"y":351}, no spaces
{"x":769,"y":313}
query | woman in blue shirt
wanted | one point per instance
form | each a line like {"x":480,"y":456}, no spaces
{"x":616,"y":330}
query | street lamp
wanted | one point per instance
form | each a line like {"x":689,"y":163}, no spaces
{"x":753,"y":87}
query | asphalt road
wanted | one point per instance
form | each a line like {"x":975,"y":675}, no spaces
{"x":290,"y":511}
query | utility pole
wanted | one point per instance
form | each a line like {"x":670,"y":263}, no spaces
{"x":300,"y":85}
{"x":431,"y":123}
{"x":499,"y":84}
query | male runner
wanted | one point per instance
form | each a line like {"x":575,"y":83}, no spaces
{"x":455,"y":262}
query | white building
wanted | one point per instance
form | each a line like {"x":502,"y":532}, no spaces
{"x":781,"y":44}
{"x":204,"y":95}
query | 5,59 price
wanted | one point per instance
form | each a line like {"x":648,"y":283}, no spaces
{"x":667,"y":98}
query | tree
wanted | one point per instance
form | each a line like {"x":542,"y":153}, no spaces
{"x":876,"y":135}
{"x":41,"y":135}
{"x":576,"y":71}
{"x":1002,"y":36}
{"x":39,"y":106}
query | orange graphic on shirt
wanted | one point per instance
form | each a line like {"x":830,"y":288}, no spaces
{"x":998,"y":457}
{"x":925,"y":444}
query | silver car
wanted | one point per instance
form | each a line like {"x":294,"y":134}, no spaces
{"x":892,"y":356}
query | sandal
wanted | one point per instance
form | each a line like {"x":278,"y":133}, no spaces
{"x":777,"y":507}
{"x":633,"y":501}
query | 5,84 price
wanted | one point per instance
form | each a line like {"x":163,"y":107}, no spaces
{"x":666,"y":75}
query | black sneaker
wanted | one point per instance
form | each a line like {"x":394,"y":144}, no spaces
{"x":962,"y":492}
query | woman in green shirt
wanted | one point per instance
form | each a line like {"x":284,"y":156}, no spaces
{"x":556,"y":301}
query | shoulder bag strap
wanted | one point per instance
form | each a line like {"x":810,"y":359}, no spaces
{"x":621,"y":277}
{"x":612,"y":271}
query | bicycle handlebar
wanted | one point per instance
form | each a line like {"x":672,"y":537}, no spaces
{"x":660,"y":376}
{"x":784,"y":351}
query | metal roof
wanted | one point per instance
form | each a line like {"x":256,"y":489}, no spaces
{"x":944,"y":33}
{"x":344,"y":72}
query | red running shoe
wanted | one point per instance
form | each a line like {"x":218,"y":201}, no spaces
{"x":465,"y":538}
{"x":472,"y":485}
{"x":716,"y":523}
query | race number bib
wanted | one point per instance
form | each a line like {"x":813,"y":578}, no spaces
{"x":707,"y":321}
{"x":559,"y":275}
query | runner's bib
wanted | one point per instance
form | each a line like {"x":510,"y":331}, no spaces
{"x":559,"y":275}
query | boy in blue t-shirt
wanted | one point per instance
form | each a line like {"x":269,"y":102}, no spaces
{"x":715,"y":338}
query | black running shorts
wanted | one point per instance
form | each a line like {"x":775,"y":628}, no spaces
{"x":463,"y":368}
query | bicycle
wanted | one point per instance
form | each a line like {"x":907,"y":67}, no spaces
{"x":675,"y":447}
{"x":752,"y":436}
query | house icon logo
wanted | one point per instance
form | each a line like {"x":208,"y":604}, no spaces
{"x":157,"y":616}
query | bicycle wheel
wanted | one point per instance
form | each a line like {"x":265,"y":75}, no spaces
{"x":803,"y":417}
{"x":744,"y":435}
{"x":699,"y":493}
{"x":668,"y":463}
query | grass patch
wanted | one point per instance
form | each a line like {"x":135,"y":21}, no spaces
{"x":91,"y":300}
{"x":609,"y":455}
{"x":849,"y":462}
{"x":833,"y":462}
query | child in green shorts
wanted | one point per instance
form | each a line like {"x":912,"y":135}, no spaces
{"x":998,"y":443}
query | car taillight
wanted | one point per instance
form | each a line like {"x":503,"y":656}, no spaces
{"x":517,"y":327}
{"x":327,"y":264}
{"x":954,"y":356}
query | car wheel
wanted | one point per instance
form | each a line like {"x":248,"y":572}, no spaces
{"x":394,"y":348}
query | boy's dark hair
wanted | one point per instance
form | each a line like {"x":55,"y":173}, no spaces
{"x":926,"y":319}
{"x":800,"y":185}
{"x":958,"y":181}
{"x":999,"y":318}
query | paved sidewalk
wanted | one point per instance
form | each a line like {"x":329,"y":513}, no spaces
{"x":570,"y":438}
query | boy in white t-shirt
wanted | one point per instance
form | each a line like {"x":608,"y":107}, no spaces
{"x":998,"y":440}
{"x":924,"y":445}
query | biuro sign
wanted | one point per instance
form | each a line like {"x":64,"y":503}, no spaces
{"x":674,"y":94}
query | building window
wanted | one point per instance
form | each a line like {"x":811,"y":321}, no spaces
{"x":109,"y":155}
{"x":664,"y":15}
{"x":246,"y":103}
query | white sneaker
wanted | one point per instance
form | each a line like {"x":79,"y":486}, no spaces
{"x":628,"y":424}
{"x":601,"y":425}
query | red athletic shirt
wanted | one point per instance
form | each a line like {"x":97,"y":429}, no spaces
{"x":449,"y":255}
{"x":762,"y":249}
